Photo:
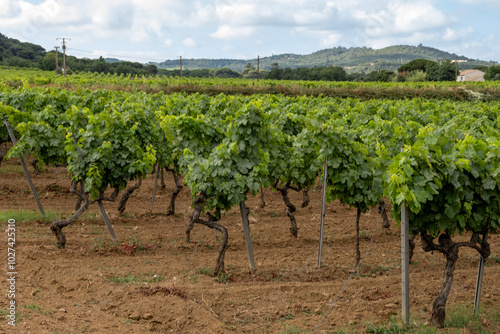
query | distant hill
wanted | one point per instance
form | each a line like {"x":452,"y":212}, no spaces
{"x":16,"y":53}
{"x":354,"y":59}
{"x":357,"y":59}
{"x":112,"y":60}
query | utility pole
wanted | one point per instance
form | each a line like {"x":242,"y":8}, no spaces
{"x":181,"y":66}
{"x":64,"y":51}
{"x":57,"y":61}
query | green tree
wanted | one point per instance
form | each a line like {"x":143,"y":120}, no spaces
{"x":48,"y":62}
{"x":248,"y":68}
{"x":416,"y":76}
{"x":275,"y":73}
{"x":253,"y":74}
{"x":416,"y":65}
{"x":492,"y":73}
{"x":100,"y":66}
{"x":151,"y":69}
{"x":379,"y":76}
{"x":226,"y":73}
{"x":445,"y":70}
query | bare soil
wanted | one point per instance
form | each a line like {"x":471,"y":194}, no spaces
{"x":154,"y":281}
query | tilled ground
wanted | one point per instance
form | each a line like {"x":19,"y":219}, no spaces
{"x":155,"y":281}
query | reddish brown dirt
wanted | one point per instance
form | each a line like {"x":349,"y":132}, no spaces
{"x":74,"y":290}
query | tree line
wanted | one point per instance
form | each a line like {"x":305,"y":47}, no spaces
{"x":413,"y":71}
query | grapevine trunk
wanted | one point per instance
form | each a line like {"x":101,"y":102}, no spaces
{"x":162,"y":178}
{"x":175,"y":193}
{"x":1,"y":154}
{"x":34,"y":163}
{"x":305,"y":198}
{"x":212,"y":222}
{"x":127,"y":194}
{"x":262,"y":202}
{"x":383,"y":213}
{"x":290,"y":209}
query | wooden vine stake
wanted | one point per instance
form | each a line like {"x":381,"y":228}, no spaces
{"x":106,"y":220}
{"x":246,"y":230}
{"x":26,"y":172}
{"x":479,"y":282}
{"x":405,"y":264}
{"x":323,"y":203}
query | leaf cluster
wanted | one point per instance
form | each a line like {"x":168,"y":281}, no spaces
{"x":449,"y":181}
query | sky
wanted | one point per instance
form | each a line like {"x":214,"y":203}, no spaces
{"x":157,"y":30}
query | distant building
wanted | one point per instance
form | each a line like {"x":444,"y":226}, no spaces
{"x":471,"y":75}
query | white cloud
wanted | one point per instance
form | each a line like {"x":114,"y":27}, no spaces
{"x":410,"y":17}
{"x":173,"y":13}
{"x":189,"y":42}
{"x":241,"y":12}
{"x":139,"y":34}
{"x":27,"y":20}
{"x":229,"y":32}
{"x":329,"y":22}
{"x":401,"y":19}
{"x":141,"y":19}
{"x":9,"y":8}
{"x":278,"y":13}
{"x":327,"y":38}
{"x":112,"y":15}
{"x":168,"y":42}
{"x":452,"y":35}
{"x":484,"y":48}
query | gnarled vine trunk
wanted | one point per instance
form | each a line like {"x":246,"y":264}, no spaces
{"x":126,"y":196}
{"x":175,"y":193}
{"x":57,"y":225}
{"x":383,"y":213}
{"x":162,"y":178}
{"x":72,"y":189}
{"x":2,"y":154}
{"x":449,"y":249}
{"x":262,"y":202}
{"x":411,"y":241}
{"x":212,"y":222}
{"x":194,"y":216}
{"x":305,"y":198}
{"x":34,"y":163}
{"x":290,"y":209}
